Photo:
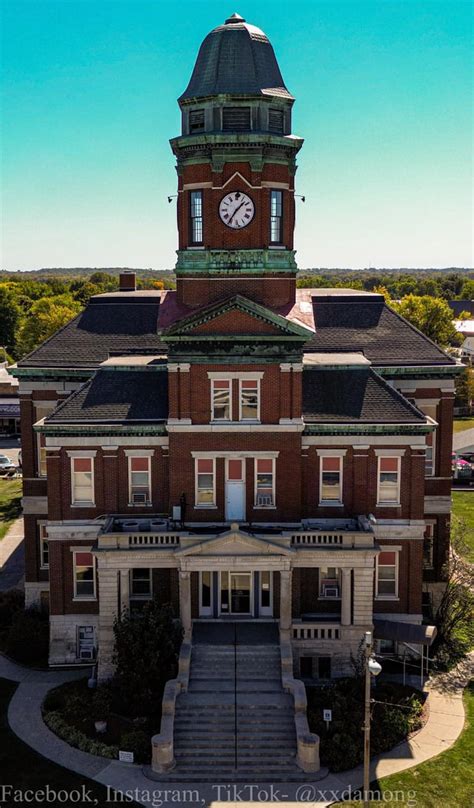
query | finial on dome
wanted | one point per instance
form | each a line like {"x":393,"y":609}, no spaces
{"x":234,"y":18}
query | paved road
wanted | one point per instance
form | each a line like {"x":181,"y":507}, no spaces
{"x":10,"y":447}
{"x":463,"y":440}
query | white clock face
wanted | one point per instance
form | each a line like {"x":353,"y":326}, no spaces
{"x":236,"y":210}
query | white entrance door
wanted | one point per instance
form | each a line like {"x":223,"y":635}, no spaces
{"x":235,"y":491}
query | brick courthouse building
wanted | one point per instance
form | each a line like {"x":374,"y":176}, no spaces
{"x":238,"y":447}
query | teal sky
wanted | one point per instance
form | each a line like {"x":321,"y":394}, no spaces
{"x":383,"y":99}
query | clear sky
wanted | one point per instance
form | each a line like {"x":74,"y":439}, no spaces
{"x":383,"y":99}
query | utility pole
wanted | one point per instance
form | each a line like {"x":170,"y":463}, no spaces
{"x":372,"y":668}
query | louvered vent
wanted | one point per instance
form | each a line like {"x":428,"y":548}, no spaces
{"x":236,"y":119}
{"x":196,"y":120}
{"x":275,"y":121}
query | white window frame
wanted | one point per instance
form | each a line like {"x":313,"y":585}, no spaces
{"x":130,"y":500}
{"x":41,"y":410}
{"x":431,"y":411}
{"x":429,"y":528}
{"x":338,"y":584}
{"x":265,"y":611}
{"x":213,"y":418}
{"x":241,"y":384}
{"x":273,"y":505}
{"x":331,"y":502}
{"x":204,"y":505}
{"x":94,"y":577}
{"x":141,"y":596}
{"x":78,"y":642}
{"x":392,"y":503}
{"x":82,"y":503}
{"x":383,"y":596}
{"x":43,"y":539}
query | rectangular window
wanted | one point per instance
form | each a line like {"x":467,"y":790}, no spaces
{"x":44,"y":548}
{"x":82,"y":480}
{"x":306,"y":667}
{"x":140,"y":583}
{"x":331,"y":480}
{"x":221,"y":399}
{"x":329,"y":582}
{"x":276,"y":217}
{"x":324,"y":667}
{"x":387,"y":575}
{"x":389,"y":481}
{"x":196,"y":121}
{"x":249,"y":400}
{"x":205,"y":483}
{"x":430,"y":455}
{"x":236,"y":119}
{"x":196,"y":217}
{"x":264,"y":483}
{"x":42,"y":410}
{"x":139,"y":480}
{"x":428,"y":545}
{"x":86,"y":647}
{"x":275,"y":121}
{"x":84,"y":576}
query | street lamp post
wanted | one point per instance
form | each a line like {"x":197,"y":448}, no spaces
{"x":372,"y":668}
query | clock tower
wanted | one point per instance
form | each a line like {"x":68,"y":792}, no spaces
{"x":236,"y":162}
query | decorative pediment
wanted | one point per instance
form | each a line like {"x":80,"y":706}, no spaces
{"x":233,"y":318}
{"x":235,"y":542}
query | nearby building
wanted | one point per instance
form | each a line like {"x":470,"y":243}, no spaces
{"x":9,"y":402}
{"x":237,"y":447}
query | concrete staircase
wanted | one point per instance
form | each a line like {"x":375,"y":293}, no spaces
{"x":235,"y":723}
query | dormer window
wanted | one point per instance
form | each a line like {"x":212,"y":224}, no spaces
{"x":236,"y":119}
{"x":275,"y":121}
{"x":196,"y":121}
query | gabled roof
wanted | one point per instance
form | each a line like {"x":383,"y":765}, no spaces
{"x":357,"y":395}
{"x":249,"y":319}
{"x":116,"y":396}
{"x":235,"y":542}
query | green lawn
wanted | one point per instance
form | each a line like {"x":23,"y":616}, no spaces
{"x":24,"y":769}
{"x":446,"y":781}
{"x":10,"y":503}
{"x":460,"y":424}
{"x":463,"y":508}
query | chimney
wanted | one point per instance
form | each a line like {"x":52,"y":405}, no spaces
{"x":128,"y":281}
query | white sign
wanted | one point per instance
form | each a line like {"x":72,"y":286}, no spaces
{"x":327,"y":715}
{"x":126,"y":757}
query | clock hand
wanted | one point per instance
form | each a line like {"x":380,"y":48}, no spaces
{"x":235,"y":211}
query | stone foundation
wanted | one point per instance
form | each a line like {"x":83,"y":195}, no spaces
{"x":63,"y":642}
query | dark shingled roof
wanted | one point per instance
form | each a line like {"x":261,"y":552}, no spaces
{"x":238,"y":59}
{"x":116,"y":396}
{"x":110,"y":325}
{"x":365,"y":323}
{"x":354,"y":395}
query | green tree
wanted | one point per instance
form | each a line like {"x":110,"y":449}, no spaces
{"x":464,"y":386}
{"x":46,"y":316}
{"x":146,"y":655}
{"x":9,"y":319}
{"x":467,"y":291}
{"x":430,"y":315}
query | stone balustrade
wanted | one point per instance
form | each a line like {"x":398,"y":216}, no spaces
{"x":316,"y":631}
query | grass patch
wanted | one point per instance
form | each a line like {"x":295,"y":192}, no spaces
{"x":24,"y":768}
{"x":10,"y":503}
{"x":463,"y":509}
{"x":460,"y":424}
{"x":446,"y":780}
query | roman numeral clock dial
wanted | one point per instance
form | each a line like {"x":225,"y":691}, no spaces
{"x":236,"y":210}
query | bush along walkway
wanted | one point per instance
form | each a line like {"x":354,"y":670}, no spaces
{"x":444,"y":725}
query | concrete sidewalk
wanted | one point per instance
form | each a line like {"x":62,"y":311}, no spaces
{"x":463,"y":440}
{"x":11,"y":541}
{"x":444,"y":725}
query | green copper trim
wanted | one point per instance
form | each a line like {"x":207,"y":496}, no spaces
{"x":61,"y":373}
{"x":420,"y":372}
{"x":240,"y":138}
{"x":229,"y":262}
{"x":368,"y":429}
{"x":64,"y":430}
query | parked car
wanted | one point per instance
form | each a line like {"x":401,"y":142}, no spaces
{"x":462,"y":471}
{"x":467,"y":456}
{"x":7,"y":467}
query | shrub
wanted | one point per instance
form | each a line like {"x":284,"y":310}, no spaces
{"x":139,"y":743}
{"x":11,"y":603}
{"x":28,"y":638}
{"x":101,"y":703}
{"x":76,"y":738}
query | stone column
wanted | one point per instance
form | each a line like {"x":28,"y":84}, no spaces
{"x":363,"y":596}
{"x":185,"y":601}
{"x":108,"y":608}
{"x":285,"y":600}
{"x":124,"y":590}
{"x":346,"y":597}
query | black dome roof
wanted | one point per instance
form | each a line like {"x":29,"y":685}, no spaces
{"x":236,"y":58}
